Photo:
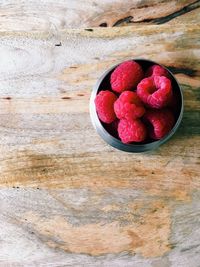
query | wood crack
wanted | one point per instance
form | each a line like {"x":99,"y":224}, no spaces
{"x":180,"y":12}
{"x":161,"y":20}
{"x":120,"y":21}
{"x":186,"y":71}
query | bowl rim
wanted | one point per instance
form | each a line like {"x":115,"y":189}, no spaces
{"x":115,"y":142}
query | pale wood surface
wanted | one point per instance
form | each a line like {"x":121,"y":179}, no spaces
{"x":49,"y":14}
{"x":67,"y":198}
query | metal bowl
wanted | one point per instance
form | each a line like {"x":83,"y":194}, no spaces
{"x":104,"y":83}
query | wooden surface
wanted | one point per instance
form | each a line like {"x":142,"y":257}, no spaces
{"x":66,"y":197}
{"x":53,"y":15}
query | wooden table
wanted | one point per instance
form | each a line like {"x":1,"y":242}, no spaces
{"x":66,"y":197}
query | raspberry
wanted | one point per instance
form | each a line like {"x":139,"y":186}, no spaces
{"x":160,"y":122}
{"x":156,"y":70}
{"x":126,"y":76}
{"x":128,"y":105}
{"x":104,"y":102}
{"x":131,"y":131}
{"x":155,"y":91}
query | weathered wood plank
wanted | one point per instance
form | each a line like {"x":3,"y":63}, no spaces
{"x":94,"y":206}
{"x":123,"y":227}
{"x":62,"y":14}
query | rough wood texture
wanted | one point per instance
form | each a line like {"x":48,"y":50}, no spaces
{"x":67,"y":198}
{"x":44,"y":15}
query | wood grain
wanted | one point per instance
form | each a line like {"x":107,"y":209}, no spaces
{"x":63,"y":14}
{"x":67,"y":198}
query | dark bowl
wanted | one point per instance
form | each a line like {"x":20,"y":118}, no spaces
{"x":102,"y":129}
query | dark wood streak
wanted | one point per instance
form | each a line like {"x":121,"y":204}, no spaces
{"x":190,"y":124}
{"x":187,"y":71}
{"x":104,"y":24}
{"x":182,"y":11}
{"x":89,"y":30}
{"x":59,"y":44}
{"x":143,"y":6}
{"x":65,"y":97}
{"x":80,"y":94}
{"x":120,"y":21}
{"x":7,"y":98}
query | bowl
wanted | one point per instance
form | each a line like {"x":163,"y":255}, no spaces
{"x":102,"y":129}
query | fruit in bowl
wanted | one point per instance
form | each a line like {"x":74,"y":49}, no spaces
{"x":136,"y":105}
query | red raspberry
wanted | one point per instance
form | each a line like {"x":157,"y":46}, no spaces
{"x":104,"y":102}
{"x":126,"y":76}
{"x":128,"y":105}
{"x":160,"y":122}
{"x":156,"y":70}
{"x":155,"y":91}
{"x":131,"y":131}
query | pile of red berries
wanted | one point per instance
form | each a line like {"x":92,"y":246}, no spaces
{"x":139,"y":106}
